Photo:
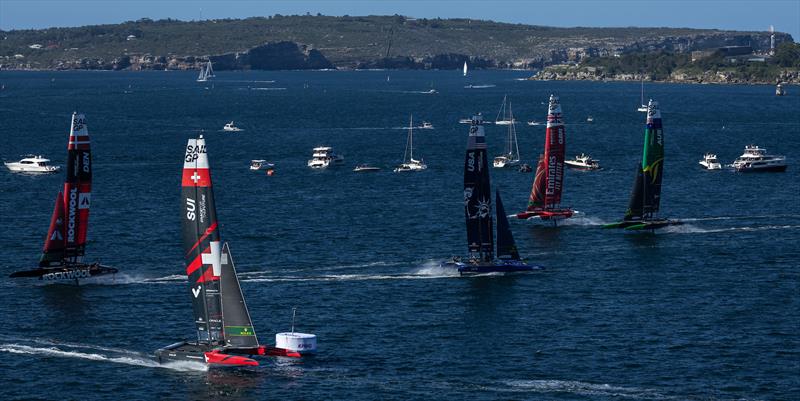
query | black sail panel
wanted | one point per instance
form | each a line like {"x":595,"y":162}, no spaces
{"x":506,"y":247}
{"x":201,"y":242}
{"x":239,"y":332}
{"x":477,"y":193}
{"x":636,"y":203}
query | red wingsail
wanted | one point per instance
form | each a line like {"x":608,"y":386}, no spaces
{"x":77,"y":188}
{"x":554,"y":149}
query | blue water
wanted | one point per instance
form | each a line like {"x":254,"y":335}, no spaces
{"x":707,"y":310}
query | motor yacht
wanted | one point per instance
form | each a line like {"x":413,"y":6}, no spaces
{"x":426,"y":125}
{"x":366,"y":168}
{"x":710,"y":162}
{"x":583,"y":162}
{"x":231,"y":128}
{"x":756,"y":159}
{"x":324,"y":157}
{"x":32,"y":164}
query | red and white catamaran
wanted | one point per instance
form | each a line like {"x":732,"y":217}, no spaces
{"x":65,"y":244}
{"x":225,"y":333}
{"x":548,"y":182}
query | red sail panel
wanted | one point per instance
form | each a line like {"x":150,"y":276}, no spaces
{"x":77,"y":188}
{"x":554,"y":150}
{"x":54,"y":244}
{"x":536,"y":200}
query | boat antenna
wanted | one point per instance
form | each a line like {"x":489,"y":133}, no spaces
{"x":294,"y":312}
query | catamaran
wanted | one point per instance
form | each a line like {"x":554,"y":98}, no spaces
{"x":646,"y":195}
{"x":410,"y":164}
{"x":206,"y":73}
{"x":465,"y":68}
{"x":65,"y":244}
{"x":225,"y":333}
{"x":548,"y":182}
{"x":510,"y":156}
{"x":478,"y":214}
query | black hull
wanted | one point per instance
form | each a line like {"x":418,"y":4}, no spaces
{"x":633,"y":225}
{"x":69,"y":272}
{"x":771,"y":169}
{"x":213,"y":356}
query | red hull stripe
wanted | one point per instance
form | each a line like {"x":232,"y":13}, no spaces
{"x":208,"y":232}
{"x":199,"y":177}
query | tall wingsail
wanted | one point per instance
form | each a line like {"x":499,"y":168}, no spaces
{"x":653,"y":159}
{"x":239,"y":332}
{"x":554,"y":149}
{"x":54,"y":244}
{"x":477,"y":193}
{"x":506,"y":247}
{"x":201,"y":242}
{"x":77,"y":189}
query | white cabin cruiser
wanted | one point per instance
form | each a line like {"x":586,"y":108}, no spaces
{"x":32,"y":164}
{"x":583,"y":162}
{"x":324,"y":157}
{"x":260,"y":164}
{"x":231,"y":128}
{"x":710,"y":162}
{"x":756,"y":159}
{"x":426,"y":125}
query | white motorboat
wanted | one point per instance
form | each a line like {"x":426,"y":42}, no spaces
{"x":366,"y":168}
{"x":710,"y":162}
{"x":583,"y":162}
{"x":756,"y":159}
{"x":465,"y":121}
{"x":32,"y":164}
{"x":510,"y":156}
{"x":231,"y":128}
{"x":590,"y":119}
{"x":535,"y":123}
{"x":260,"y":165}
{"x":426,"y":125}
{"x":779,"y":91}
{"x":324,"y":157}
{"x":431,"y":92}
{"x":410,"y":164}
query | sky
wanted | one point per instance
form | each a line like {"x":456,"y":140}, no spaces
{"x":744,"y":15}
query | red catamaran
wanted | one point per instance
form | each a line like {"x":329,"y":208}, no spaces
{"x":65,"y":244}
{"x":548,"y":183}
{"x":225,"y":333}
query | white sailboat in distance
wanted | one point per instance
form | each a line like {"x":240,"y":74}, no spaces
{"x":465,"y":69}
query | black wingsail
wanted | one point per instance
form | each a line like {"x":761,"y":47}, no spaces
{"x":201,"y":242}
{"x":506,"y":247}
{"x":239,"y":331}
{"x":477,"y":193}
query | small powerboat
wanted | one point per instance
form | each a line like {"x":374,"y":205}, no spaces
{"x":590,"y":119}
{"x":231,"y":128}
{"x":366,"y":168}
{"x":583,"y":162}
{"x":755,"y":159}
{"x":710,"y":162}
{"x":260,"y":164}
{"x":33,"y":165}
{"x":426,"y":125}
{"x":535,"y":123}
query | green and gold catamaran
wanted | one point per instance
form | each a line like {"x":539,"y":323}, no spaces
{"x":646,"y":194}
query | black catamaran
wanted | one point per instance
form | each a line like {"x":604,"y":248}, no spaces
{"x":646,"y":194}
{"x":225,"y":334}
{"x":65,"y":244}
{"x":478,"y":214}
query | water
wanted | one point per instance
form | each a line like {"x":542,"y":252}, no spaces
{"x":707,"y":310}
